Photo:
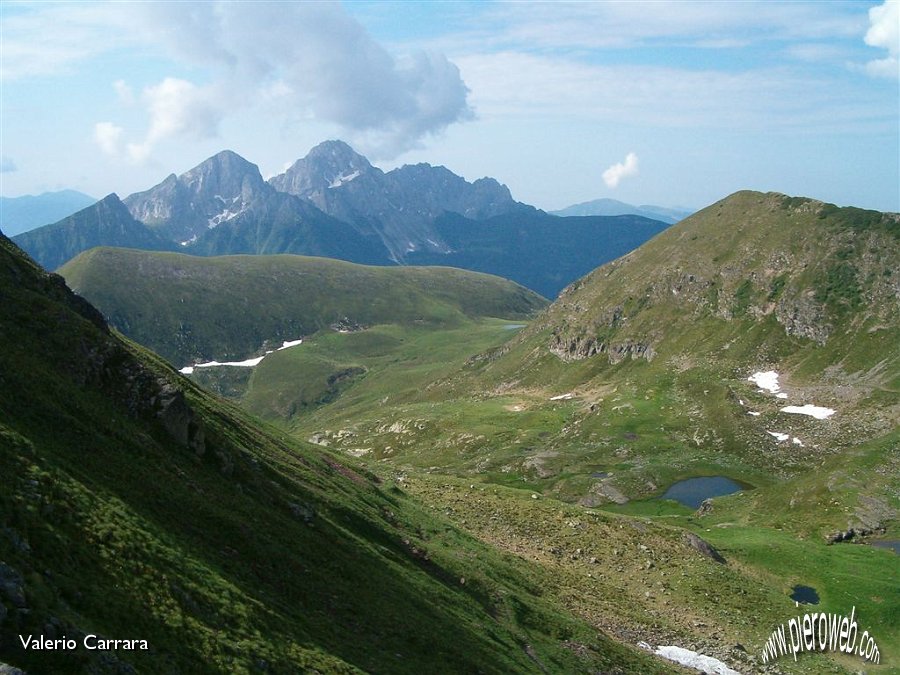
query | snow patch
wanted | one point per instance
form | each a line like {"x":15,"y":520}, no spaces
{"x":779,"y":436}
{"x":816,"y":411}
{"x":692,"y":659}
{"x":754,"y":413}
{"x":343,"y":178}
{"x":563,"y":397}
{"x":188,"y":242}
{"x":767,"y":381}
{"x":797,"y":441}
{"x":247,"y":363}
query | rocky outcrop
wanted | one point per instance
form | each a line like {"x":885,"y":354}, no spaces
{"x":703,"y":547}
{"x":852,"y":533}
{"x":581,"y":347}
{"x":400,"y":206}
{"x":803,"y":317}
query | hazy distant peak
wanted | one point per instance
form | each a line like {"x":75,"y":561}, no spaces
{"x":613,"y":207}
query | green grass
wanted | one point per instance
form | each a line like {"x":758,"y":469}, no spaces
{"x":247,"y":552}
{"x":191,"y":309}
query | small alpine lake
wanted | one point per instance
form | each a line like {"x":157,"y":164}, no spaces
{"x":889,"y":544}
{"x":805,"y":594}
{"x":692,"y":491}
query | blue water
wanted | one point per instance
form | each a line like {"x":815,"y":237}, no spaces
{"x":806,"y":595}
{"x":693,"y":491}
{"x":889,"y":544}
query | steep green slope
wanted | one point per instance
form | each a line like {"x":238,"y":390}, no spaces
{"x":135,"y":506}
{"x":640,"y":370}
{"x":196,"y":309}
{"x":637,"y":377}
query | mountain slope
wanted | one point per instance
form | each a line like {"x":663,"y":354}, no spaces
{"x":137,"y":507}
{"x":642,"y":366}
{"x":639,"y":377}
{"x":399,"y":206}
{"x":542,"y":252}
{"x":107,"y":222}
{"x":196,"y":309}
{"x":341,"y":207}
{"x":20,"y":214}
{"x":223,"y":206}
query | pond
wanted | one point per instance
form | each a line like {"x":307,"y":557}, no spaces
{"x":600,"y":474}
{"x":514,"y":326}
{"x":889,"y":544}
{"x":692,"y":491}
{"x":805,"y":594}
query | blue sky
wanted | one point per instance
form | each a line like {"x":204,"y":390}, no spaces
{"x":670,"y":103}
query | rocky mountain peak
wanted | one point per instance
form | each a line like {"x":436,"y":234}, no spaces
{"x":225,"y":174}
{"x":328,"y":165}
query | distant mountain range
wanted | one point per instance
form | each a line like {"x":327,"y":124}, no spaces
{"x":20,"y":214}
{"x":613,"y":207}
{"x":334,"y":203}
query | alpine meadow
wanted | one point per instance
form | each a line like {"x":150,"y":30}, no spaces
{"x":356,"y":406}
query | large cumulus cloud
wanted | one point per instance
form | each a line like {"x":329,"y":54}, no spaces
{"x":302,"y":59}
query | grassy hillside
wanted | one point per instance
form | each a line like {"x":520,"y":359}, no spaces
{"x":134,"y":505}
{"x":637,"y":377}
{"x":197,"y":309}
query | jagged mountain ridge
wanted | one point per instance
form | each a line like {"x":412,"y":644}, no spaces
{"x":400,"y":206}
{"x":345,"y":208}
{"x":224,"y":205}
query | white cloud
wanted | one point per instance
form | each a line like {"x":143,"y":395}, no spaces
{"x":621,"y":170}
{"x":514,"y":85}
{"x":623,"y":24}
{"x":46,"y":38}
{"x":108,"y":136}
{"x":296,"y":58}
{"x":884,"y":32}
{"x":177,"y":108}
{"x":125,"y":93}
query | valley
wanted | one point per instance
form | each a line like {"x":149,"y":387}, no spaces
{"x":767,"y":358}
{"x":450,"y":338}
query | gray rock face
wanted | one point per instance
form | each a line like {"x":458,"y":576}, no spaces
{"x":216,"y":191}
{"x":327,"y":166}
{"x":399,"y":206}
{"x":703,"y":547}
